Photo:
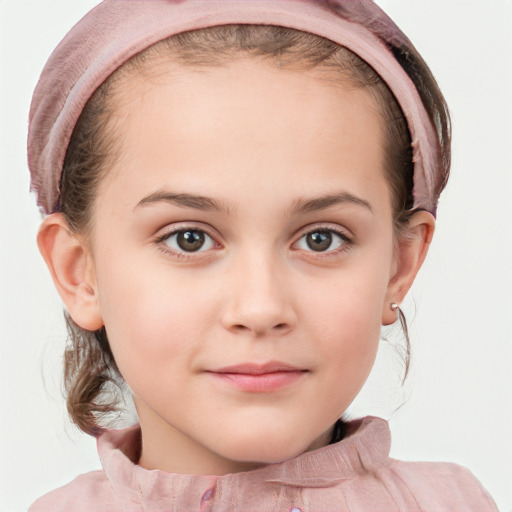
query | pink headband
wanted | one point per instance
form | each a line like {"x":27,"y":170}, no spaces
{"x":116,"y":30}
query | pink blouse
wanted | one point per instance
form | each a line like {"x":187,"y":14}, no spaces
{"x":354,"y":475}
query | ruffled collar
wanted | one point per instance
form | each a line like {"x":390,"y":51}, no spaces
{"x":364,"y":449}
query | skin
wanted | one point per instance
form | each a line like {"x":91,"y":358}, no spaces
{"x":279,"y":154}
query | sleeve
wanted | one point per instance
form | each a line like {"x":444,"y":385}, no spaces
{"x":87,"y":492}
{"x":444,"y":487}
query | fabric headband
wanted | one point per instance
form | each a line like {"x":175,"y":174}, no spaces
{"x":116,"y":30}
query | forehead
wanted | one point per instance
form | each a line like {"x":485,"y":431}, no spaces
{"x":247,"y":123}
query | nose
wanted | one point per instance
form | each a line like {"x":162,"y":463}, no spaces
{"x":260,"y":298}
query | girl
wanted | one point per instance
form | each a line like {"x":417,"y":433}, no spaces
{"x":234,"y":221}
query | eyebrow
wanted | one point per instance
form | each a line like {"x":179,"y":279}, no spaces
{"x":303,"y":205}
{"x":186,"y":200}
{"x":299,"y":206}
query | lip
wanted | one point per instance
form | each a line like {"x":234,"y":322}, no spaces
{"x":259,"y":378}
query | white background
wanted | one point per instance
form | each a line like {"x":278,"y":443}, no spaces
{"x":458,"y":400}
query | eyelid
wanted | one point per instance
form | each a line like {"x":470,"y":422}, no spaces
{"x":168,"y":231}
{"x":178,"y":227}
{"x":343,"y":233}
{"x":324,"y":226}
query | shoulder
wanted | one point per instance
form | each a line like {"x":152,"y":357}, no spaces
{"x":443,"y":486}
{"x":86,"y":491}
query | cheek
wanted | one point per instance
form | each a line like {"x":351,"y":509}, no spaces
{"x":348,"y":331}
{"x":151,"y":316}
{"x":348,"y":300}
{"x":344,"y":316}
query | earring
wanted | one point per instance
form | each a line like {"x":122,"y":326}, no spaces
{"x":394,"y":306}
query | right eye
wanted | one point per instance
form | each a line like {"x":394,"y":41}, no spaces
{"x":323,"y":240}
{"x":189,"y":240}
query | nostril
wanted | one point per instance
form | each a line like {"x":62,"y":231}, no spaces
{"x":260,"y":330}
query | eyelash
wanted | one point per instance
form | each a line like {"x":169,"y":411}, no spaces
{"x":160,"y":241}
{"x":347,"y":241}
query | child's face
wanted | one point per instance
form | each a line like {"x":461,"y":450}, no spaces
{"x":247,"y":221}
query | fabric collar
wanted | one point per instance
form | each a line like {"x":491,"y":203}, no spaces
{"x":365,"y":449}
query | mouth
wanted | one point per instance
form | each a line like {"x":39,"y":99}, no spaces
{"x":259,"y":378}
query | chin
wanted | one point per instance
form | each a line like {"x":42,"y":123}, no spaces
{"x":262,"y":450}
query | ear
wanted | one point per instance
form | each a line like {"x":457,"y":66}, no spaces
{"x":412,"y":248}
{"x":72,"y":268}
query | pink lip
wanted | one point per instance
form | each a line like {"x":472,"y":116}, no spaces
{"x":257,"y":378}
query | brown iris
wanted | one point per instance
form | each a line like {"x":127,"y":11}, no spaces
{"x":190,"y":241}
{"x":319,"y":240}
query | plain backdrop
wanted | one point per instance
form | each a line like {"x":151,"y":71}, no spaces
{"x":457,"y":403}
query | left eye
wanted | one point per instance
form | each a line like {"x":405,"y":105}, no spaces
{"x":321,"y":240}
{"x":189,"y":240}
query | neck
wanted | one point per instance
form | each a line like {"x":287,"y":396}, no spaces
{"x":167,"y":449}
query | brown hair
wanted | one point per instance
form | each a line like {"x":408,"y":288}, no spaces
{"x":91,"y":377}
